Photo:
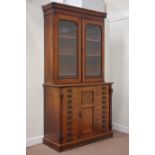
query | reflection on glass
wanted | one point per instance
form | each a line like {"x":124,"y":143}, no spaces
{"x":67,"y":49}
{"x":93,"y":51}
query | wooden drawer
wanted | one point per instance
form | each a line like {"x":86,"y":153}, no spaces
{"x":103,"y":108}
{"x":70,"y":113}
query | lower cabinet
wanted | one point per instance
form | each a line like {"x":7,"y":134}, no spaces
{"x":82,"y":114}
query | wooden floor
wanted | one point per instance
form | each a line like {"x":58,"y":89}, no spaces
{"x":118,"y":145}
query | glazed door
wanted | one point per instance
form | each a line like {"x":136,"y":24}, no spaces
{"x":93,"y":50}
{"x":67,"y":32}
{"x":88,"y":111}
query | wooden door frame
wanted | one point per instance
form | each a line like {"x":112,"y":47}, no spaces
{"x":101,"y":25}
{"x":76,"y":20}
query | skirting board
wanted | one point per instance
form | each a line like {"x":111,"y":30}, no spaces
{"x":34,"y":141}
{"x":39,"y":139}
{"x":120,"y":128}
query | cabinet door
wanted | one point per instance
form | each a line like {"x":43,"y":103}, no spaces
{"x":88,"y":111}
{"x":67,"y":49}
{"x":93,"y":50}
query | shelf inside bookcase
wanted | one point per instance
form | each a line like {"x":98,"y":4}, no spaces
{"x":72,"y":37}
{"x":67,"y":54}
{"x":67,"y":37}
{"x":73,"y":54}
{"x":94,"y":74}
{"x":93,"y":55}
{"x":67,"y":75}
{"x":93,"y":40}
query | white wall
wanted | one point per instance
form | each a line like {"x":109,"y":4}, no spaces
{"x":113,"y":5}
{"x":69,"y":2}
{"x":98,"y":5}
{"x":34,"y":79}
{"x":119,"y":73}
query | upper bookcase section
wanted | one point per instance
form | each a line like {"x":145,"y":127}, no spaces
{"x":74,"y":44}
{"x":75,"y":11}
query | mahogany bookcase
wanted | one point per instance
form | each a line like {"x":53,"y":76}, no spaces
{"x":77,"y":100}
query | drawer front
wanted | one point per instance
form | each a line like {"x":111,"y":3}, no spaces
{"x":70,"y":114}
{"x":103,"y":108}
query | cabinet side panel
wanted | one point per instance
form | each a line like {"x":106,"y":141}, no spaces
{"x":52,"y":113}
{"x":48,"y":48}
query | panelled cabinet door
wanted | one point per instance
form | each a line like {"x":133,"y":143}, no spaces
{"x":67,"y":49}
{"x":93,"y":50}
{"x":88,"y":111}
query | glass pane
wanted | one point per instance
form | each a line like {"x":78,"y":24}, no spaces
{"x":67,"y":49}
{"x":93,"y":51}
